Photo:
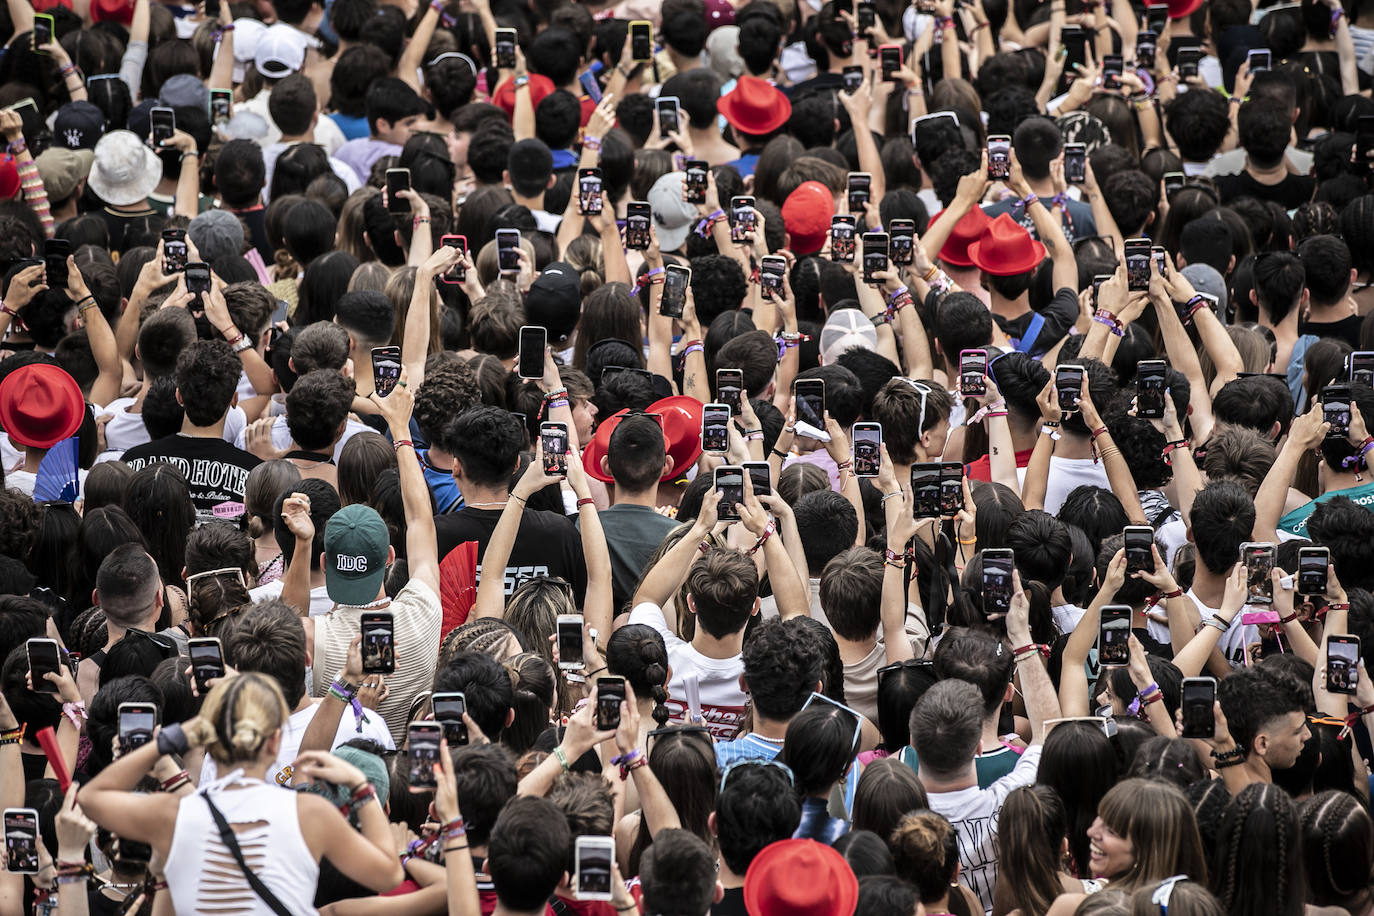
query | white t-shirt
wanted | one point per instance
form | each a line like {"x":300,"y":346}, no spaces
{"x":722,"y":700}
{"x":320,"y":602}
{"x":126,"y":430}
{"x":24,"y":481}
{"x":373,"y":728}
{"x":281,"y":435}
{"x":1065,"y":475}
{"x":1232,"y":643}
{"x":1066,"y":617}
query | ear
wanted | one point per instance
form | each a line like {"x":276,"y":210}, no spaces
{"x":383,"y":125}
{"x":667,"y":465}
{"x":743,"y":685}
{"x":95,"y":598}
{"x":183,"y":574}
{"x":1180,"y":261}
{"x":505,"y":177}
{"x":1254,"y":300}
{"x":606,"y":466}
{"x":510,"y":717}
{"x":179,"y":400}
{"x":719,"y":893}
{"x":1260,"y":744}
{"x":390,"y":555}
{"x":551,"y":182}
{"x":711,"y":826}
{"x":692,"y":605}
{"x":457,"y":469}
{"x":1006,"y":697}
{"x":755,"y":609}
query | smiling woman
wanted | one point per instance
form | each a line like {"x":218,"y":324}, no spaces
{"x":1145,"y":831}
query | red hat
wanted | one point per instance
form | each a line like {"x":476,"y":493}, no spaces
{"x":755,"y":106}
{"x":1178,"y":9}
{"x":504,"y":97}
{"x":121,"y":11}
{"x":719,"y":13}
{"x":967,"y":231}
{"x":806,"y":214}
{"x":680,"y":417}
{"x":800,"y":878}
{"x":1006,"y":249}
{"x":40,"y":405}
{"x":9,"y":178}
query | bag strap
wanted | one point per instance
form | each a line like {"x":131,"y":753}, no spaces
{"x":226,"y":836}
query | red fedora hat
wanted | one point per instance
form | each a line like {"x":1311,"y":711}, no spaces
{"x":1006,"y":249}
{"x":967,"y":231}
{"x":40,"y":405}
{"x":755,"y":106}
{"x":800,"y":878}
{"x":680,"y":417}
{"x":1178,"y":9}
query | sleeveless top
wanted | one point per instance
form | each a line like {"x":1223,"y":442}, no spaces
{"x":203,"y":876}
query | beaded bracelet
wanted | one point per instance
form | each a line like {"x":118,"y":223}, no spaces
{"x":1102,"y":316}
{"x":345,"y":692}
{"x":562,"y":759}
{"x":13,"y":736}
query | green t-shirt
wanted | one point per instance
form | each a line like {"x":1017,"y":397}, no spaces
{"x":991,"y":765}
{"x":1295,"y":522}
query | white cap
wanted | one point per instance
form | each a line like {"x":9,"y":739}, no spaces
{"x":844,"y":330}
{"x":247,"y":33}
{"x":280,"y":51}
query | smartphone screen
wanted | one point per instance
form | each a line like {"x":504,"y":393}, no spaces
{"x":1187,"y":62}
{"x":197,"y":277}
{"x":641,"y":41}
{"x":457,"y":273}
{"x":890,"y":60}
{"x":842,"y":239}
{"x":853,"y":79}
{"x":610,"y":691}
{"x":868,"y":16}
{"x":715,"y":436}
{"x":175,"y":254}
{"x":1075,"y":42}
{"x":742,"y":219}
{"x":868,"y":454}
{"x":397,"y":180}
{"x":1068,"y":382}
{"x":760,"y":476}
{"x":1145,"y":44}
{"x":570,"y":642}
{"x":875,"y":256}
{"x":1173,"y":183}
{"x":1336,"y":409}
{"x":668,"y":122}
{"x":772,"y":270}
{"x":973,"y":368}
{"x":55,"y":252}
{"x":553,"y":442}
{"x":860,"y":191}
{"x":592,"y":857}
{"x":1312,"y":570}
{"x":1075,"y":163}
{"x":1111,"y":71}
{"x":1114,"y":633}
{"x":810,"y":397}
{"x":999,"y":157}
{"x":533,"y":341}
{"x":207,"y":661}
{"x":379,"y":643}
{"x":1259,"y":563}
{"x":44,"y":658}
{"x":998,"y":564}
{"x":1151,"y":387}
{"x":422,"y":753}
{"x":589,"y":191}
{"x":505,"y":49}
{"x":1097,"y":286}
{"x":1138,"y":265}
{"x":901,"y":241}
{"x":925,"y":490}
{"x":386,"y":369}
{"x":637,"y":220}
{"x":695,"y":180}
{"x":21,"y":841}
{"x":136,"y":724}
{"x":1258,"y":60}
{"x":1362,"y":367}
{"x":729,"y":482}
{"x":221,"y":105}
{"x":730,"y":388}
{"x":1139,"y":546}
{"x":1157,"y":17}
{"x":163,"y":123}
{"x":951,"y":487}
{"x":1342,"y":663}
{"x":507,"y":250}
{"x":1161,"y":256}
{"x":448,"y":712}
{"x":1199,"y":700}
{"x":676,"y":281}
{"x":42,"y":31}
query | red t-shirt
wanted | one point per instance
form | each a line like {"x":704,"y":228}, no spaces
{"x":982,"y":469}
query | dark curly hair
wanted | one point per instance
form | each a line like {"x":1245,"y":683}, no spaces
{"x":18,"y":523}
{"x":445,"y":392}
{"x":718,"y":285}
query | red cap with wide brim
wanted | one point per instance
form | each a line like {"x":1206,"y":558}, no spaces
{"x":40,"y":405}
{"x":800,"y":878}
{"x":1006,"y":249}
{"x":967,"y":231}
{"x":680,"y":417}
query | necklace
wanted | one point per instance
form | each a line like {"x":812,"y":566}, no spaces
{"x":500,"y":503}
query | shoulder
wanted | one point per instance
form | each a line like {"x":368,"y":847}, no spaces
{"x":417,"y":592}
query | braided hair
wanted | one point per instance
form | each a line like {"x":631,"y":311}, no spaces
{"x":1259,"y":867}
{"x":1338,"y":850}
{"x":1357,"y":229}
{"x":638,"y":654}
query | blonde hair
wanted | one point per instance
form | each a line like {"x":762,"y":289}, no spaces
{"x":400,"y":289}
{"x":238,"y":717}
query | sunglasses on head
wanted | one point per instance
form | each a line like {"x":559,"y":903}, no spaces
{"x":912,"y":663}
{"x":165,"y":644}
{"x":858,"y":717}
{"x":1160,"y":897}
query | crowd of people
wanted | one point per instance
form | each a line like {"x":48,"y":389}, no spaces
{"x":686,"y":457}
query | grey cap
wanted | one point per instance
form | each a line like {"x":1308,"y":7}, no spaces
{"x":216,"y":234}
{"x":1205,"y":279}
{"x":184,"y":91}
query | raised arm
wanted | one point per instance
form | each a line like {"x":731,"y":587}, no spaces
{"x":222,"y":70}
{"x":1305,"y":434}
{"x":598,"y":606}
{"x":421,"y":547}
{"x":1037,"y":480}
{"x":792,"y":595}
{"x":414,"y":54}
{"x":1075,"y":695}
{"x":101,"y":338}
{"x":663,"y":578}
{"x":1118,"y":471}
{"x":1050,"y":229}
{"x":1194,"y":656}
{"x":1036,"y":687}
{"x":415,"y":339}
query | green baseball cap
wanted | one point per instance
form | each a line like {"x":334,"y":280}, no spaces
{"x":356,"y":544}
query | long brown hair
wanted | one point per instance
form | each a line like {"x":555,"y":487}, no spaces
{"x":1158,"y":820}
{"x":1030,"y":835}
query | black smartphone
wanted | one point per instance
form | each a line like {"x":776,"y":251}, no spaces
{"x":508,"y":250}
{"x":810,"y":398}
{"x":1113,"y":636}
{"x":868,"y":453}
{"x":1075,"y":42}
{"x":760,"y":476}
{"x":1342,"y":663}
{"x":1157,"y":17}
{"x":1145,"y":44}
{"x":729,"y":481}
{"x":998,"y":564}
{"x":386,"y":369}
{"x":44,"y":657}
{"x":1173,"y":183}
{"x":1259,"y":563}
{"x":999,"y":157}
{"x":533,"y":341}
{"x":1188,"y":59}
{"x":1161,"y":256}
{"x":21,"y":841}
{"x":875,"y":256}
{"x":207,"y":661}
{"x":1112,"y":65}
{"x":1312,"y":570}
{"x":742,"y":221}
{"x":42,"y":31}
{"x":730,"y":388}
{"x":638,"y":218}
{"x":925,"y":490}
{"x":1098,"y":280}
{"x":772,"y":270}
{"x":136,"y":724}
{"x":221,"y":105}
{"x":676,"y":281}
{"x":853,"y":79}
{"x":397,"y":180}
{"x":569,"y":629}
{"x":890,"y":61}
{"x":1258,"y":59}
{"x":1138,"y":265}
{"x":1139,"y":546}
{"x":175,"y":254}
{"x":422,"y":754}
{"x":379,"y":642}
{"x":973,"y":373}
{"x":1198,"y":706}
{"x":867,"y":16}
{"x":553,"y":442}
{"x":901,"y":241}
{"x":1068,"y":381}
{"x":197,"y":278}
{"x":163,"y":123}
{"x":55,"y":252}
{"x":1075,"y":163}
{"x":1336,"y":409}
{"x":589,"y":191}
{"x":669,"y":118}
{"x":448,"y":712}
{"x":641,"y":41}
{"x":842,"y":239}
{"x":715,"y":424}
{"x":457,"y":273}
{"x":1151,"y":387}
{"x":694,"y":180}
{"x":505,"y":49}
{"x":1361,"y":367}
{"x":951,"y":487}
{"x":860,"y":185}
{"x":610,"y":693}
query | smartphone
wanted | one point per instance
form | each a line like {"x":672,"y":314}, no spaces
{"x":1097,"y":286}
{"x":853,"y":79}
{"x":386,"y":369}
{"x":592,"y":856}
{"x":1113,"y":636}
{"x":221,"y":105}
{"x":570,"y":642}
{"x":44,"y":657}
{"x":669,"y":121}
{"x":676,"y":281}
{"x":1173,"y":183}
{"x":553,"y":442}
{"x":901,"y":241}
{"x":175,"y":254}
{"x":925,"y":490}
{"x":1259,"y":563}
{"x":695,"y":180}
{"x":729,"y":481}
{"x":973,"y":369}
{"x":505,"y":49}
{"x":1139,"y":546}
{"x":508,"y":250}
{"x":999,"y":157}
{"x":397,"y":180}
{"x":448,"y":712}
{"x":760,"y":476}
{"x":1187,"y":62}
{"x":610,"y":692}
{"x":1336,"y":409}
{"x":772,"y":270}
{"x":860,"y":186}
{"x":742,"y":220}
{"x":136,"y":724}
{"x":641,"y":41}
{"x":164,"y":124}
{"x":638,"y":217}
{"x":715,"y":420}
{"x":875,"y":256}
{"x":42,"y":32}
{"x":422,"y":754}
{"x":589,"y":191}
{"x":998,"y":564}
{"x":730,"y":388}
{"x":868,"y":453}
{"x":1068,"y":381}
{"x":1161,"y":256}
{"x":587,"y":80}
{"x":533,"y":341}
{"x":1151,"y":387}
{"x":867,"y":16}
{"x":1145,"y":44}
{"x":1258,"y":59}
{"x":1157,"y":17}
{"x":1312,"y":570}
{"x":842,"y":239}
{"x":1112,"y":65}
{"x":1075,"y":163}
{"x":951,"y":487}
{"x":207,"y":661}
{"x":457,"y":273}
{"x":197,"y":278}
{"x":55,"y":252}
{"x":1361,"y":366}
{"x":810,"y":397}
{"x":1075,"y":42}
{"x":1138,"y":265}
{"x":21,"y":840}
{"x":379,"y":642}
{"x":1342,"y":663}
{"x":1198,"y":704}
{"x":890,"y":61}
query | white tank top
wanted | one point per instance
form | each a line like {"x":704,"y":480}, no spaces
{"x":203,"y":876}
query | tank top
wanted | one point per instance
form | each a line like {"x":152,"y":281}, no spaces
{"x":202,"y":874}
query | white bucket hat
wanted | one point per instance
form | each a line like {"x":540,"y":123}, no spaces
{"x":125,"y":170}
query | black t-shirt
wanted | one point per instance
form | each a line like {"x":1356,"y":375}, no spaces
{"x":216,"y":470}
{"x":117,"y":221}
{"x":1059,"y":314}
{"x":547,"y":544}
{"x":1347,"y":329}
{"x":1291,"y":193}
{"x":731,"y":904}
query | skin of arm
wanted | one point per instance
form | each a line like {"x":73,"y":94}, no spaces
{"x":413,"y":55}
{"x":491,"y":596}
{"x":597,"y":606}
{"x":971,"y":189}
{"x":222,"y":70}
{"x":663,"y":578}
{"x":873,"y":306}
{"x":104,"y":350}
{"x":694,"y":383}
{"x":660,"y":360}
{"x":579,"y":737}
{"x":1305,"y":434}
{"x":1182,"y":615}
{"x":295,"y":511}
{"x":415,"y":340}
{"x":367,"y":855}
{"x":858,"y":104}
{"x":324,"y":725}
{"x":421,"y":547}
{"x":901,"y":527}
{"x":1299,"y":640}
{"x":790,"y":362}
{"x":217,"y":311}
{"x":522,"y":121}
{"x":1194,"y":656}
{"x":1051,"y":232}
{"x":462,"y":882}
{"x":1038,"y":469}
{"x":1142,"y":678}
{"x":1036,"y":687}
{"x":1074,"y":691}
{"x":792,"y":596}
{"x":1118,"y":471}
{"x":1102,"y":216}
{"x":657,"y":809}
{"x":1183,"y":357}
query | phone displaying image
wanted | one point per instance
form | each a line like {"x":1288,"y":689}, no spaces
{"x":1173,"y":183}
{"x":55,"y":252}
{"x":641,"y":41}
{"x":998,"y":564}
{"x":175,"y":254}
{"x":1068,"y":382}
{"x":668,"y":115}
{"x":1312,"y":570}
{"x":44,"y":658}
{"x":1151,"y":387}
{"x":1156,"y":17}
{"x":760,"y":476}
{"x":890,"y":61}
{"x":973,"y":373}
{"x":136,"y":724}
{"x":610,"y":691}
{"x":1075,"y":163}
{"x":842,"y":239}
{"x":638,"y":217}
{"x":43,"y":32}
{"x":1161,"y":256}
{"x":1113,"y":636}
{"x":730,"y":388}
{"x":1336,"y":409}
{"x":1188,"y":59}
{"x":1258,"y":59}
{"x":853,"y":79}
{"x":448,"y":712}
{"x":1342,"y":663}
{"x":1138,"y":265}
{"x":197,"y":278}
{"x":742,"y":220}
{"x":901,"y":241}
{"x":676,"y":281}
{"x":810,"y":396}
{"x":422,"y":754}
{"x":592,"y":856}
{"x":868,"y":454}
{"x":21,"y":841}
{"x":1097,"y":286}
{"x":1112,"y":66}
{"x":1139,"y":546}
{"x":221,"y":105}
{"x":163,"y":123}
{"x":386,"y":369}
{"x":715,"y":436}
{"x":999,"y":157}
{"x":1198,"y":705}
{"x":951,"y":487}
{"x":533,"y":341}
{"x":505,"y":49}
{"x":875,"y":256}
{"x":772,"y":270}
{"x":207,"y":661}
{"x":925,"y":490}
{"x":867,"y":16}
{"x":589,"y":191}
{"x":570,"y":642}
{"x":729,"y":482}
{"x":397,"y":180}
{"x":1145,"y":44}
{"x":695,"y":180}
{"x":379,"y":642}
{"x":1259,"y":563}
{"x":508,"y":250}
{"x":457,"y":273}
{"x":1361,"y":367}
{"x":553,"y":442}
{"x":860,"y":186}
